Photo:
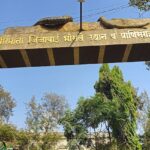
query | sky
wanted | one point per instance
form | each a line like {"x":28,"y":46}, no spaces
{"x":69,"y":81}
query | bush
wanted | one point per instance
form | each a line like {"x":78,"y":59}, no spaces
{"x":7,"y":133}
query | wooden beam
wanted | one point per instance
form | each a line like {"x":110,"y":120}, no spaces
{"x":25,"y":57}
{"x":76,"y":56}
{"x":51,"y":56}
{"x":127,"y":53}
{"x":2,"y":62}
{"x":101,"y":54}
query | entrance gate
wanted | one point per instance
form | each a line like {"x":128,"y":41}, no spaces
{"x":105,"y":41}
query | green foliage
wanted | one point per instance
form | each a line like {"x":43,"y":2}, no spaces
{"x":33,"y":116}
{"x":146,"y":141}
{"x":148,"y":65}
{"x":124,"y":113}
{"x":44,"y":116}
{"x":74,"y":131}
{"x":14,"y":137}
{"x":23,"y":139}
{"x":7,"y":133}
{"x":50,"y":140}
{"x":143,"y":5}
{"x":3,"y":146}
{"x":7,"y":104}
{"x":143,"y":108}
{"x":114,"y":106}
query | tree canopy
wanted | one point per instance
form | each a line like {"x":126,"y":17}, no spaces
{"x":7,"y":132}
{"x":125,"y":101}
{"x":148,"y":65}
{"x":146,"y":136}
{"x":114,"y":106}
{"x":44,"y":116}
{"x":7,"y":104}
{"x":143,"y":5}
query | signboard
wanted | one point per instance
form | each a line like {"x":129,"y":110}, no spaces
{"x":68,"y":48}
{"x":56,"y":39}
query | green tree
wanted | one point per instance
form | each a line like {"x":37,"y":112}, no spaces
{"x":50,"y":140}
{"x":113,"y":107}
{"x":23,"y":139}
{"x":122,"y":121}
{"x":44,"y":116}
{"x":7,"y":104}
{"x":143,"y":108}
{"x":7,"y":133}
{"x":33,"y":116}
{"x":146,"y":141}
{"x":74,"y":131}
{"x":142,"y":5}
{"x":85,"y":125}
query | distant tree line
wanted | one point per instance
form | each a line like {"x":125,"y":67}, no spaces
{"x":42,"y":122}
